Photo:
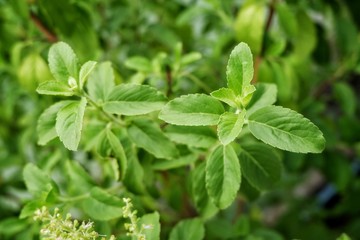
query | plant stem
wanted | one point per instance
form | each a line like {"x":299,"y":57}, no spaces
{"x":259,"y":58}
{"x":169,"y":80}
{"x":50,"y":36}
{"x":106,"y":114}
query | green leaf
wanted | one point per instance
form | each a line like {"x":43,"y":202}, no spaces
{"x":285,"y":85}
{"x":118,"y":150}
{"x":225,"y":95}
{"x":346,"y":97}
{"x":150,"y":224}
{"x":37,"y":182}
{"x":63,"y":62}
{"x":46,"y":123}
{"x":134,"y":178}
{"x":69,"y":123}
{"x":230,"y":126}
{"x":260,"y":165}
{"x":76,"y":174}
{"x":264,"y":95}
{"x":286,"y":129}
{"x":203,"y":203}
{"x":33,"y":70}
{"x":10,"y":226}
{"x":188,"y":229}
{"x":240,"y":70}
{"x":55,"y":88}
{"x":175,"y":163}
{"x":250,"y":24}
{"x":85,"y":71}
{"x":147,"y":135}
{"x":192,"y":110}
{"x":223,"y":176}
{"x":131,"y":99}
{"x":92,"y":134}
{"x":103,"y":147}
{"x":343,"y":237}
{"x":190,"y":58}
{"x":195,"y":136}
{"x":102,"y":206}
{"x":306,"y":39}
{"x":101,"y":82}
{"x":287,"y":19}
{"x":138,"y":63}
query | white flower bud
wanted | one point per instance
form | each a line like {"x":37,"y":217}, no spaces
{"x":72,"y":82}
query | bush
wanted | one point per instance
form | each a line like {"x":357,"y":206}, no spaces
{"x":198,"y":120}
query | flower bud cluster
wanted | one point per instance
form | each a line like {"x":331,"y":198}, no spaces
{"x":54,"y":227}
{"x":132,"y":227}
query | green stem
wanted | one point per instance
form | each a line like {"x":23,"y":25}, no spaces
{"x":106,"y":114}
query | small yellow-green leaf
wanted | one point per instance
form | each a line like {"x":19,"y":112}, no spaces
{"x":85,"y":71}
{"x":240,"y":69}
{"x":225,"y":95}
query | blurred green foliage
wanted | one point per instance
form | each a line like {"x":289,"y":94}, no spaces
{"x":310,"y":49}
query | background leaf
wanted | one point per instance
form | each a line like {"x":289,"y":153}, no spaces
{"x":286,"y":129}
{"x":203,"y":203}
{"x":148,"y":135}
{"x":260,"y":165}
{"x":175,"y":163}
{"x":102,"y":206}
{"x":77,"y":174}
{"x":264,"y":95}
{"x":250,"y":24}
{"x":37,"y":182}
{"x":138,"y":63}
{"x":188,"y":229}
